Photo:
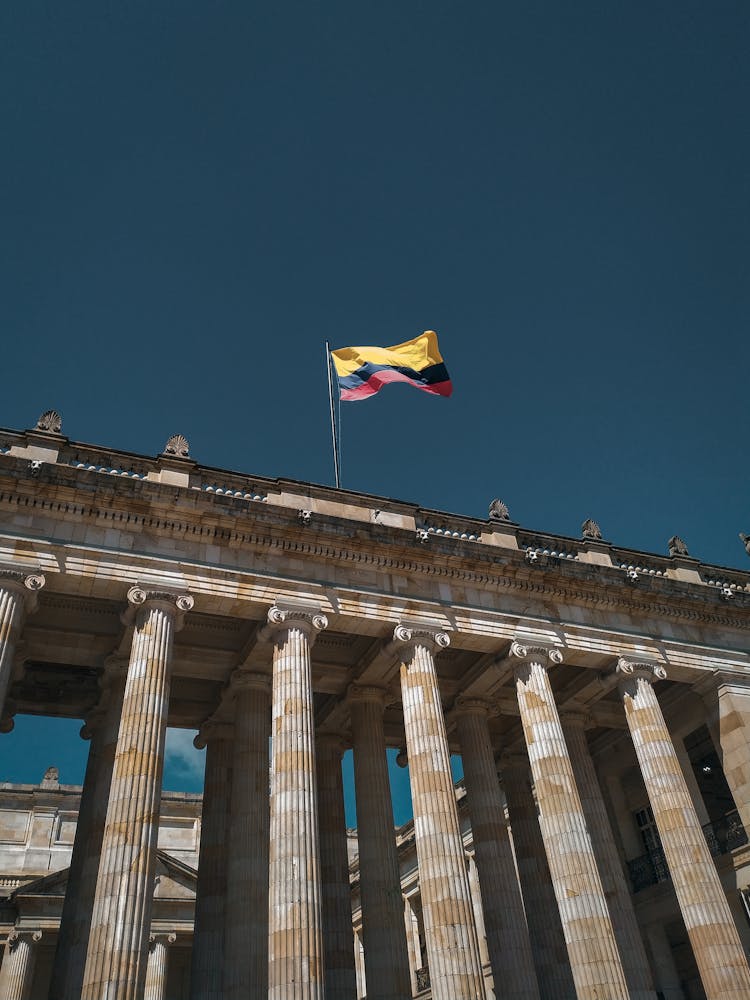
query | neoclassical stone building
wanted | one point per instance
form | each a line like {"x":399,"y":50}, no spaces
{"x":607,"y":688}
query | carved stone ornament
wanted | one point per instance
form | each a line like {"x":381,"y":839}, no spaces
{"x":745,"y":539}
{"x":166,"y":939}
{"x":466,"y":705}
{"x":51,"y":777}
{"x":50,"y":421}
{"x":31,"y":583}
{"x":177,"y":445}
{"x":534,"y":652}
{"x":406,"y":635}
{"x":249,"y":680}
{"x":590,"y":529}
{"x":402,"y":758}
{"x":139,"y":596}
{"x":367,"y":693}
{"x":677,"y":547}
{"x":633,"y":669}
{"x":499,"y":511}
{"x":305,"y":516}
{"x":213,"y":729}
{"x":423,"y":535}
{"x":15,"y":936}
{"x":307,"y":620}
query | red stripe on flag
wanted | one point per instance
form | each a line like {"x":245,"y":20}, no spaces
{"x":384,"y":376}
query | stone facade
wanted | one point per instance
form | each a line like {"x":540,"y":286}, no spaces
{"x":609,"y":689}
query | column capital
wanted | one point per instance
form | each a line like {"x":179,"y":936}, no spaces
{"x":468,"y":705}
{"x":648,"y":670}
{"x":407,"y":637}
{"x":242,"y":679}
{"x":360,"y":693}
{"x":213,"y":730}
{"x":534,"y":652}
{"x":165,"y":938}
{"x":282,"y":617}
{"x":25,"y":584}
{"x":174,"y":604}
{"x":331,"y":742}
{"x":18,"y":934}
{"x":576,"y":717}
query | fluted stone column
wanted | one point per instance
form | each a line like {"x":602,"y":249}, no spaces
{"x":295,"y":949}
{"x":18,"y":597}
{"x":450,"y":935}
{"x":540,"y":905}
{"x":716,"y":944}
{"x":478,"y":908}
{"x":628,"y":936}
{"x":17,"y":970}
{"x":340,"y":977}
{"x":118,"y":944}
{"x":504,"y":919}
{"x":386,"y":955}
{"x":156,"y":968}
{"x":207,"y":956}
{"x":728,"y":700}
{"x":101,"y":727}
{"x":411,"y":924}
{"x":592,"y":949}
{"x":246,"y":928}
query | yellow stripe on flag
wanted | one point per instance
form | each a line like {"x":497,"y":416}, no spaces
{"x":417,"y":354}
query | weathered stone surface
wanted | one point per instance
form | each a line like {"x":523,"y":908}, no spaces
{"x":452,"y":946}
{"x":594,"y":959}
{"x":716,"y":944}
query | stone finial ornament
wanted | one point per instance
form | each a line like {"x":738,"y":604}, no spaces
{"x":51,"y":778}
{"x":177,"y":445}
{"x":677,"y":547}
{"x":50,"y":421}
{"x":745,"y":539}
{"x":499,"y":511}
{"x":590,"y":529}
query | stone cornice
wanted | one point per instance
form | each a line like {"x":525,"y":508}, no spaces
{"x":568,"y":581}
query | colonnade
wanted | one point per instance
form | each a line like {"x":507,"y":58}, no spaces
{"x":273,"y":911}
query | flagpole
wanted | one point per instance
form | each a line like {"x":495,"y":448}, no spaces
{"x":333,"y":418}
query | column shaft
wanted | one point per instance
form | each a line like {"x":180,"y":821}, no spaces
{"x":504,"y":919}
{"x":246,"y":928}
{"x":450,"y":935}
{"x":156,"y":968}
{"x":17,"y":970}
{"x":594,"y":959}
{"x":716,"y":945}
{"x":412,"y":944}
{"x":295,"y":950}
{"x":338,"y":940}
{"x":75,"y":921}
{"x":207,"y":958}
{"x":118,"y":945}
{"x":386,"y":955}
{"x":632,"y":952}
{"x":734,"y":738}
{"x":17,"y":590}
{"x":540,"y":905}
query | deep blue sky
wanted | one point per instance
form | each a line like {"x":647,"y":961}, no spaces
{"x":195,"y":196}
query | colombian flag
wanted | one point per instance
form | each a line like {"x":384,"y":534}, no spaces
{"x":363,"y":371}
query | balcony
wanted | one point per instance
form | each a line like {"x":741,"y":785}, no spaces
{"x":722,"y":836}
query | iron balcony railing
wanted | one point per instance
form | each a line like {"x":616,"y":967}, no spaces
{"x":722,"y":836}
